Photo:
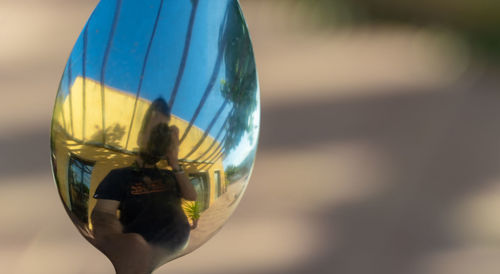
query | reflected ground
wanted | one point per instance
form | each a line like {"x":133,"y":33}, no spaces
{"x":401,"y":178}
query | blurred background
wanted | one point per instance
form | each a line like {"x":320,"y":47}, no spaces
{"x":379,"y":149}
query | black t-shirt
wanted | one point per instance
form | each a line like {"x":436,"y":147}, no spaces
{"x":150,"y":204}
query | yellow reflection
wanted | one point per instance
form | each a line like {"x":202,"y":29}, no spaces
{"x":85,"y":153}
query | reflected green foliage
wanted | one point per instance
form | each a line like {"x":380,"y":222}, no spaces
{"x":241,"y":81}
{"x":193,"y":211}
{"x":237,"y":172}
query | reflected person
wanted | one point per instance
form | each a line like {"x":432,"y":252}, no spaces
{"x":151,"y":222}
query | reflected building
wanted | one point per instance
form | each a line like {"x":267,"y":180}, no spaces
{"x":196,"y":57}
{"x":90,"y":151}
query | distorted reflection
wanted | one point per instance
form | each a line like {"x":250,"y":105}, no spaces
{"x":148,"y":198}
{"x":155,"y":127}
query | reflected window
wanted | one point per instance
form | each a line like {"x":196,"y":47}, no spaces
{"x":79,"y":174}
{"x":218,"y":184}
{"x":202,"y":186}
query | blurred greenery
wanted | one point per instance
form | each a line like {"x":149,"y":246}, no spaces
{"x":237,"y":172}
{"x":475,"y":21}
{"x":240,"y":83}
{"x":193,"y":210}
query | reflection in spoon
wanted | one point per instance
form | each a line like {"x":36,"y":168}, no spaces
{"x":155,"y":127}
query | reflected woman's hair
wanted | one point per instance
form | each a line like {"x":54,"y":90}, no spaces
{"x":159,"y":105}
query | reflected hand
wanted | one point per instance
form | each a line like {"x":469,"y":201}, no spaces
{"x":172,"y":154}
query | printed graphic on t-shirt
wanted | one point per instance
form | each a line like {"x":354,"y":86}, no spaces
{"x":147,"y":186}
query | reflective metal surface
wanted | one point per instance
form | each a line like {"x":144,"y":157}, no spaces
{"x":155,"y":127}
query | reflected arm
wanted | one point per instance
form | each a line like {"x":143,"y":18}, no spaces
{"x":187,"y":189}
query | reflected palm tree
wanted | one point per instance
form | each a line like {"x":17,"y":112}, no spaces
{"x":240,"y":85}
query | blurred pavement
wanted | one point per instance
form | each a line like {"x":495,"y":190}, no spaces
{"x":379,"y":152}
